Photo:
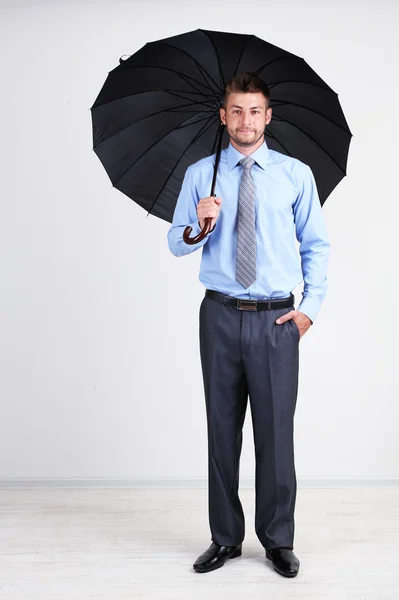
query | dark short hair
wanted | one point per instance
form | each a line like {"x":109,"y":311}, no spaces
{"x":246,"y":83}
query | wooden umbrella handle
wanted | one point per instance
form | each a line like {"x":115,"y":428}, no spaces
{"x":202,"y":234}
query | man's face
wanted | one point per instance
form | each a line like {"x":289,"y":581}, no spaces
{"x":246,"y":116}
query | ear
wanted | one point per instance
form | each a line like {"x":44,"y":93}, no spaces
{"x":268,"y":115}
{"x":222,"y":115}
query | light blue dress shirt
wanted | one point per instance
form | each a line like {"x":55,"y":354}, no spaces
{"x":286,"y":205}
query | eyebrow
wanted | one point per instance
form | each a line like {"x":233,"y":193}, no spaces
{"x":251,"y":107}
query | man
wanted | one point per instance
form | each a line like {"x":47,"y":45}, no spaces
{"x":249,"y":328}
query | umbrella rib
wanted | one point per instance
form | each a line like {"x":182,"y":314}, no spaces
{"x":316,"y":112}
{"x":147,"y":150}
{"x":197,"y":64}
{"x":209,"y":96}
{"x":174,"y":93}
{"x":286,"y":56}
{"x":274,"y":83}
{"x":159,"y":112}
{"x":242,"y":52}
{"x":218,"y":60}
{"x":167,"y":91}
{"x":313,"y":140}
{"x":292,"y":56}
{"x":185,"y":77}
{"x":272,"y":135}
{"x":185,"y":123}
{"x":196,"y":137}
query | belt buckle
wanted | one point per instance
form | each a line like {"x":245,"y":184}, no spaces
{"x":247,"y":304}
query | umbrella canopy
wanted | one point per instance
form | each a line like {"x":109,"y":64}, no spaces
{"x":158,"y":112}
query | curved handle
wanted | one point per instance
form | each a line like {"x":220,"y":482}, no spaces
{"x":202,"y":234}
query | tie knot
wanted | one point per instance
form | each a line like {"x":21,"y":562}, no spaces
{"x":247,"y":163}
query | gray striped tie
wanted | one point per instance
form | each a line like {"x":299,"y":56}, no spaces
{"x":246,"y":235}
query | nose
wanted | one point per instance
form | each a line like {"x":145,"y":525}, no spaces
{"x":245,"y":122}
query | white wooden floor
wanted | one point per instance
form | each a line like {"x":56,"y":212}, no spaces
{"x":97,"y":544}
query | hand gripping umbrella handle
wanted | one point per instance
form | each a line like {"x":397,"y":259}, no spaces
{"x":208,"y":221}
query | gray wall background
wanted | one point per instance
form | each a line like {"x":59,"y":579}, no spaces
{"x":97,"y":380}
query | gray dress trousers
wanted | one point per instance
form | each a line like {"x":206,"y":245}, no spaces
{"x":245,"y":353}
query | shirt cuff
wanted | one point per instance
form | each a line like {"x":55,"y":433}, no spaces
{"x":310,"y":308}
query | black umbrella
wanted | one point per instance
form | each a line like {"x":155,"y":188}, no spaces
{"x":158,"y":112}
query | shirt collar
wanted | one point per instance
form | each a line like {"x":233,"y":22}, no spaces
{"x":261,"y":156}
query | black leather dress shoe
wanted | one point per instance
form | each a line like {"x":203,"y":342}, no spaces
{"x":284,"y":561}
{"x":215,"y":557}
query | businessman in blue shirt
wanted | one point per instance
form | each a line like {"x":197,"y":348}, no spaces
{"x":249,"y":327}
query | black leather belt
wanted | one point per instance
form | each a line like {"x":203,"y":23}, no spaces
{"x":242,"y":304}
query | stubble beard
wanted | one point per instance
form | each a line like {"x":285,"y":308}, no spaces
{"x":241,"y":142}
